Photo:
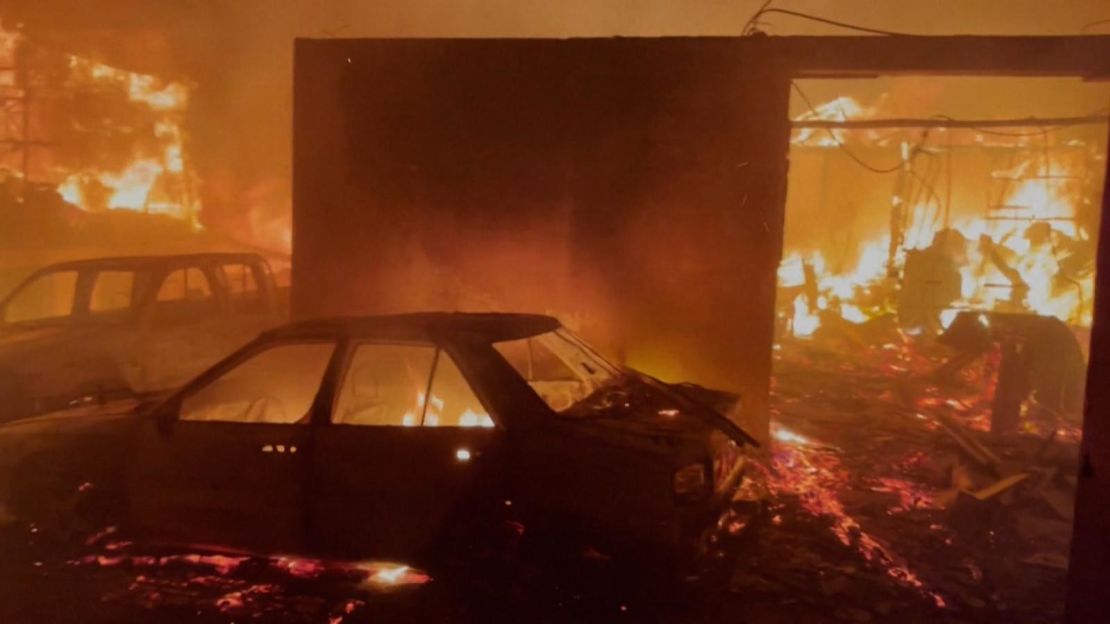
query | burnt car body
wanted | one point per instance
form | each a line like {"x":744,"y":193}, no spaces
{"x":91,"y":330}
{"x":405,"y":437}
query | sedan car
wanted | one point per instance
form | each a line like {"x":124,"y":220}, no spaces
{"x":404,"y":437}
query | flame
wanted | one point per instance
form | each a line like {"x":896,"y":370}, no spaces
{"x":841,"y":108}
{"x":804,"y":322}
{"x":158,"y":180}
{"x":433,"y":414}
{"x":1012,"y":256}
{"x":10,"y":41}
{"x":782,"y":434}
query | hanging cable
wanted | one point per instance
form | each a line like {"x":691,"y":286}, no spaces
{"x":764,"y":10}
{"x":752,"y":26}
{"x":1084,"y":29}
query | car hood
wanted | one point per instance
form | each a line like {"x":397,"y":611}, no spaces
{"x":647,"y":406}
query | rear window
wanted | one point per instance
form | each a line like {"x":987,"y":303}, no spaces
{"x":185,"y":285}
{"x":48,"y":296}
{"x":184,"y":295}
{"x":242,"y":288}
{"x":112,"y":291}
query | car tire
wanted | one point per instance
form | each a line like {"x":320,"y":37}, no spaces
{"x":15,"y":402}
{"x":65,"y":510}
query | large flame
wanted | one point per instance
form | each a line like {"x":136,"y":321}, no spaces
{"x":1014,"y":256}
{"x":157,"y":180}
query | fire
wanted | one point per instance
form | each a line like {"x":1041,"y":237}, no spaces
{"x":9,"y":42}
{"x":1019,"y":254}
{"x":146,"y":111}
{"x":841,"y":108}
{"x":433,"y":414}
{"x":158,"y":180}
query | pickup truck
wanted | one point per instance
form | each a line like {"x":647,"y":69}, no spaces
{"x":89,"y":331}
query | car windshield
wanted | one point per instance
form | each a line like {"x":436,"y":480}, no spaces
{"x":562,"y":369}
{"x":48,"y":296}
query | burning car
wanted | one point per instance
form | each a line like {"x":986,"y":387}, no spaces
{"x":91,"y":330}
{"x":406,"y":437}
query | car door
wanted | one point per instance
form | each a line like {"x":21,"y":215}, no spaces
{"x":226,"y":463}
{"x":410,"y":452}
{"x":251,"y":301}
{"x":179,"y":332}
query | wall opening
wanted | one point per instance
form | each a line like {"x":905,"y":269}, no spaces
{"x":933,"y":317}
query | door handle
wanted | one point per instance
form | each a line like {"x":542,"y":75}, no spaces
{"x":279,"y":448}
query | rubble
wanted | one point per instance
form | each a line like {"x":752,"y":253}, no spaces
{"x":979,"y":519}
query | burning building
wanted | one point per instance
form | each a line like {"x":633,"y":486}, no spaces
{"x":97,"y":160}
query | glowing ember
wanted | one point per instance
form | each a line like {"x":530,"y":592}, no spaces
{"x":910,"y":495}
{"x":386,"y":575}
{"x":786,"y":436}
{"x":814,"y":476}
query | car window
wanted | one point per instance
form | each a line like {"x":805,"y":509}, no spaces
{"x":183,"y":294}
{"x":112,"y":291}
{"x":242,"y":287}
{"x":277,"y":385}
{"x":49,"y":296}
{"x":385,"y":385}
{"x":561,"y":369}
{"x":185,"y":284}
{"x":453,"y":402}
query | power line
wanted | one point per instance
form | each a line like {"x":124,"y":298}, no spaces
{"x":1086,"y":26}
{"x":764,"y":10}
{"x":753,"y":21}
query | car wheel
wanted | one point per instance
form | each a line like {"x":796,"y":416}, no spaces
{"x":65,"y":511}
{"x":16,"y":402}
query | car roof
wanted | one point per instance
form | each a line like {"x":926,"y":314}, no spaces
{"x":147,"y":262}
{"x":429,"y":326}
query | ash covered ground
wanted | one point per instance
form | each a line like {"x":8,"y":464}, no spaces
{"x":892,"y":503}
